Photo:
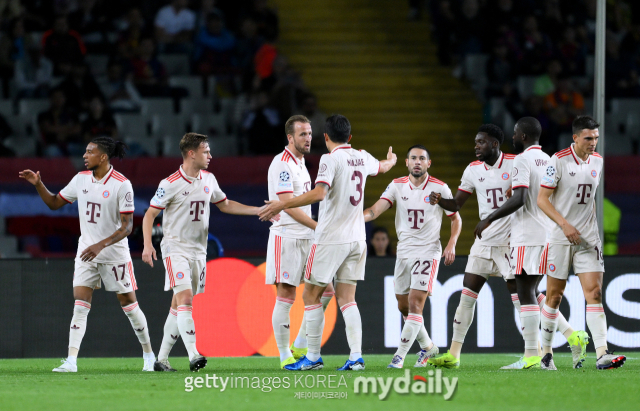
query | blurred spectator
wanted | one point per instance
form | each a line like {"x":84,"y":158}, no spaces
{"x":470,"y":29}
{"x":621,"y":75}
{"x":214,"y":47}
{"x":379,"y":244}
{"x":175,"y":25}
{"x":33,"y":74}
{"x":80,"y":87}
{"x":536,"y":47}
{"x":564,"y":104}
{"x":444,"y":21}
{"x":546,"y":83}
{"x":206,"y":7}
{"x":59,"y":128}
{"x":415,"y":10}
{"x":503,"y":16}
{"x":62,"y":46}
{"x":285,"y":87}
{"x":120,"y":93}
{"x":99,"y":123}
{"x":572,"y":52}
{"x":309,"y":108}
{"x":500,"y":73}
{"x":129,"y":38}
{"x":247,"y":46}
{"x":90,"y":20}
{"x":261,"y":124}
{"x":266,"y":18}
{"x":13,"y":47}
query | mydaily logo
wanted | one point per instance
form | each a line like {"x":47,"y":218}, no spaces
{"x":433,"y":384}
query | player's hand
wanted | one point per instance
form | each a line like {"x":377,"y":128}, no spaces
{"x":434,"y":198}
{"x":572,"y":234}
{"x":148,"y":255}
{"x":91,"y":252}
{"x":270,"y":210}
{"x":30,"y":176}
{"x":391,"y":156}
{"x":275,"y":218}
{"x":509,"y":192}
{"x":449,"y":254}
{"x":482,"y":225}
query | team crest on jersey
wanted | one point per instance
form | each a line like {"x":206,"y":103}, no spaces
{"x":285,"y":275}
{"x":551,"y":171}
{"x":105,"y":194}
{"x":206,"y":189}
{"x":180,"y":276}
{"x":426,"y":199}
{"x":552,"y":267}
{"x":129,"y":197}
{"x":284,"y":176}
{"x":323,"y":168}
{"x":593,"y":173}
{"x":160,"y":193}
{"x":505,"y":176}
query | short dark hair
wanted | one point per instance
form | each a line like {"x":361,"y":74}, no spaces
{"x":111,"y":147}
{"x":338,"y":128}
{"x":191,"y":141}
{"x":493,"y":131}
{"x":530,"y":126}
{"x":290,"y":125}
{"x":420,"y":147}
{"x":582,"y":122}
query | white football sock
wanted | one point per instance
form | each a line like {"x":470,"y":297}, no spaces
{"x":78,"y":323}
{"x":138,"y":322}
{"x":280,"y":323}
{"x":353,"y":327}
{"x":72,"y":359}
{"x":171,"y":334}
{"x":464,"y":315}
{"x":516,"y":302}
{"x":187,"y":329}
{"x":549,"y":325}
{"x":563,"y":325}
{"x":597,"y":323}
{"x":530,"y":323}
{"x":301,"y":339}
{"x":315,"y":325}
{"x":411,"y":328}
{"x":423,"y":337}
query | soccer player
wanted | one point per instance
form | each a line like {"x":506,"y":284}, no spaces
{"x":567,"y":196}
{"x":185,"y":196}
{"x":290,"y":238}
{"x":105,"y":208}
{"x":339,"y":248}
{"x":419,"y":250}
{"x":528,"y":238}
{"x":490,"y":177}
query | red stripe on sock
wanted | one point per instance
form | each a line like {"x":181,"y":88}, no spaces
{"x":469,"y":293}
{"x":344,"y":307}
{"x":285,"y":300}
{"x":312,"y":307}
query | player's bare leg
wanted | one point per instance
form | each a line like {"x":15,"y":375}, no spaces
{"x":81,"y":308}
{"x":138,"y":321}
{"x":411,"y":306}
{"x":186,"y":326}
{"x":299,"y":346}
{"x":346,"y":299}
{"x":597,"y":321}
{"x":286,"y":295}
{"x":169,"y":338}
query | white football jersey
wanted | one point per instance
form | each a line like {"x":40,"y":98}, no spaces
{"x":417,"y":222}
{"x":529,"y":224}
{"x":185,"y":223}
{"x":345,"y":171}
{"x":575,"y":183}
{"x":287,"y":174}
{"x":100,"y":204}
{"x":491,"y":184}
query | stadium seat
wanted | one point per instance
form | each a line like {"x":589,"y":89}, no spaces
{"x":211,"y":86}
{"x":209,"y":124}
{"x":160,"y":106}
{"x":590,"y":65}
{"x":173,"y":126}
{"x":224,"y":146}
{"x":170,"y":147}
{"x":134,"y":128}
{"x":21,"y":125}
{"x":175,"y":64}
{"x":620,"y":114}
{"x":475,"y":66}
{"x":33,"y":106}
{"x":192,"y":83}
{"x":23,"y":146}
{"x":617,"y":145}
{"x":497,"y":108}
{"x":6,"y":108}
{"x":525,"y":86}
{"x":196,"y":105}
{"x":97,"y":63}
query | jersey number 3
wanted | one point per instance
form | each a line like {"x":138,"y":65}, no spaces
{"x":358,"y":175}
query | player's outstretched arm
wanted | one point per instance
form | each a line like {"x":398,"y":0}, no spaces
{"x":385,"y":165}
{"x":149,"y":252}
{"x":456,"y":228}
{"x":449,"y":204}
{"x":545,"y":205}
{"x":125,"y":229}
{"x":235,"y":208}
{"x":513,"y":204}
{"x":273,"y":208}
{"x":53,"y":201}
{"x":375,"y":210}
{"x":297,"y":214}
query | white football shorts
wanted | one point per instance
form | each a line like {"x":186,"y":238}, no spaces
{"x":488,"y":261}
{"x":116,"y":277}
{"x":183,"y":274}
{"x":286,"y":259}
{"x":344,"y":262}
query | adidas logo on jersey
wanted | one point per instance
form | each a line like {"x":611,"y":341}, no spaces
{"x":456,"y":322}
{"x":422,"y":283}
{"x":175,"y":337}
{"x":192,"y":332}
{"x":75,"y":327}
{"x":186,"y":193}
{"x":572,"y":174}
{"x":139,"y":329}
{"x":547,"y":330}
{"x":404,"y":340}
{"x":285,"y":326}
{"x":126,"y":285}
{"x":405,"y":198}
{"x":85,"y":191}
{"x":481,"y":179}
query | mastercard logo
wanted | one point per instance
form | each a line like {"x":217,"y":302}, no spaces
{"x":233,"y":315}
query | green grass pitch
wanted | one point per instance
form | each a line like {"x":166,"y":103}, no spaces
{"x":118,"y":384}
